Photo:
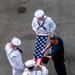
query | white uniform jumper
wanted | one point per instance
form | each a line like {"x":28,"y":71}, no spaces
{"x":15,"y":60}
{"x":43,"y":71}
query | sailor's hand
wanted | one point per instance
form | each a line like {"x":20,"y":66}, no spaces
{"x":38,"y":66}
{"x":37,"y":33}
{"x":48,"y":34}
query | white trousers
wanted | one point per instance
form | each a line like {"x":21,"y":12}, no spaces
{"x":16,"y":71}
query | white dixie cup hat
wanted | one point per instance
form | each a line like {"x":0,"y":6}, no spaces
{"x":39,"y":13}
{"x":16,"y":41}
{"x":30,"y":63}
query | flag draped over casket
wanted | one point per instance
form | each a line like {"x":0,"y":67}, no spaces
{"x":40,"y":45}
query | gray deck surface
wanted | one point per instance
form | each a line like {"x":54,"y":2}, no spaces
{"x":13,"y":23}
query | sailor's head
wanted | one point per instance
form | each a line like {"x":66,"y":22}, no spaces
{"x":30,"y":64}
{"x":15,"y":42}
{"x":39,"y":14}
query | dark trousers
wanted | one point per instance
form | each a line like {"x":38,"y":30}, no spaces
{"x":60,"y":68}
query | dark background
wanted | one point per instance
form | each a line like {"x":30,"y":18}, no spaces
{"x":13,"y":23}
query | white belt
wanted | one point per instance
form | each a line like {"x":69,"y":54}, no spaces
{"x":43,"y":34}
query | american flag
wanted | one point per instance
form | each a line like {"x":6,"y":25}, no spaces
{"x":40,"y":45}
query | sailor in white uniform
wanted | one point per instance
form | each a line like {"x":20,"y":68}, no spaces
{"x":14,"y":56}
{"x":43,"y":26}
{"x":32,"y":70}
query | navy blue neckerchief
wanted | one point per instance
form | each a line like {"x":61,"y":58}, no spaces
{"x":19,"y":50}
{"x":41,"y":24}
